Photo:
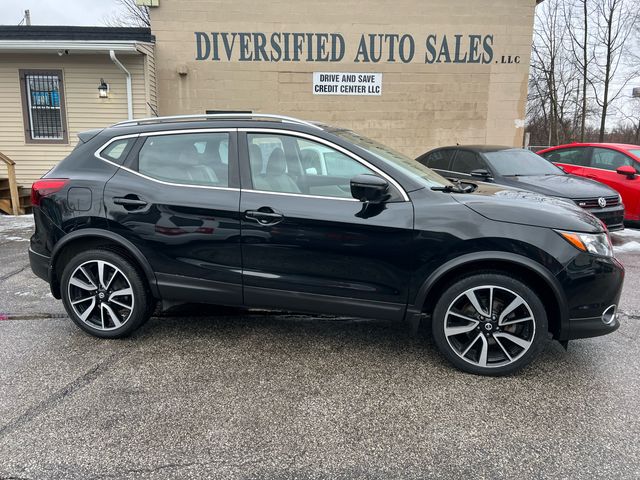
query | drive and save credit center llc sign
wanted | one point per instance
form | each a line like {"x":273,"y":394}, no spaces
{"x":344,"y":83}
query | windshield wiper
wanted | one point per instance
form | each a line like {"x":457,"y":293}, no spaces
{"x":456,"y":187}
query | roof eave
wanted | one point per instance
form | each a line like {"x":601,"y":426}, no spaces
{"x":68,"y":46}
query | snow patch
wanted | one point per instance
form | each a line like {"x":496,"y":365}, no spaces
{"x":9,"y":222}
{"x":627,"y":233}
{"x":632,"y":246}
{"x":14,"y":239}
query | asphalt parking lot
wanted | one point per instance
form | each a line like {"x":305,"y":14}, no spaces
{"x":205,"y":394}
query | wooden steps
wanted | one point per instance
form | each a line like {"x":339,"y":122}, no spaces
{"x":24,"y":195}
{"x":14,"y":200}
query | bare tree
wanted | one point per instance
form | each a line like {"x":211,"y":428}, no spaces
{"x":553,"y":78}
{"x":577,"y":15}
{"x":130,"y":15}
{"x":615,"y":23}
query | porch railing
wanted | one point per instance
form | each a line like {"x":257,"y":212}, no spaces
{"x":13,"y":185}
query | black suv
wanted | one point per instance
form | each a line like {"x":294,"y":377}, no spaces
{"x":273,"y":212}
{"x":523,"y":169}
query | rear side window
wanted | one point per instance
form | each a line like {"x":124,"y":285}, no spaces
{"x":117,"y":151}
{"x":439,"y":159}
{"x":466,"y":161}
{"x":607,"y":159}
{"x":571,"y":156}
{"x":190,"y":158}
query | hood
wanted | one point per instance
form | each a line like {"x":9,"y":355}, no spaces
{"x":504,"y":204}
{"x":566,"y":186}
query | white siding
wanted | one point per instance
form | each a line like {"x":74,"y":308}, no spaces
{"x":84,"y":109}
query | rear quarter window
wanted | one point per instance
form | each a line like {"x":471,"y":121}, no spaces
{"x":117,"y":151}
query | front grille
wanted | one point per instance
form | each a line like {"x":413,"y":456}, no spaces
{"x":593,"y":202}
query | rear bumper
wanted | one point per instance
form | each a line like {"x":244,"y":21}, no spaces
{"x":39,"y":264}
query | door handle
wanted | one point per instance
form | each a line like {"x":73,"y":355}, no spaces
{"x":130,"y":202}
{"x":264,"y":216}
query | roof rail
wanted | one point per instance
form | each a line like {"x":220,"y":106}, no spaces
{"x":207,"y":116}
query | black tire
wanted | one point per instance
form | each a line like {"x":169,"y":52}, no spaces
{"x":494,"y":352}
{"x":130,"y":318}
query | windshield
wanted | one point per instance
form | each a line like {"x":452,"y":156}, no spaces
{"x":518,"y":161}
{"x":405,"y":164}
{"x":635,"y":151}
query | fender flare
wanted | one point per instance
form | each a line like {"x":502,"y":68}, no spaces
{"x":535,"y":267}
{"x":114,"y":237}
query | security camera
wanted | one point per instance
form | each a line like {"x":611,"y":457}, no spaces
{"x":63,"y":52}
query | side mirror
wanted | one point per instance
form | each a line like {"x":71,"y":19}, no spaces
{"x":482,"y":173}
{"x":627,"y":170}
{"x":369,"y":188}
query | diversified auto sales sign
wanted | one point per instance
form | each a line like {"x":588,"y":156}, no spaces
{"x":433,"y":48}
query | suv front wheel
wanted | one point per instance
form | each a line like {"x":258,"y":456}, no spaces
{"x":489,"y":324}
{"x":104,"y":294}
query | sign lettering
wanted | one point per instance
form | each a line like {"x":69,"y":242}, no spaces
{"x":332,"y":47}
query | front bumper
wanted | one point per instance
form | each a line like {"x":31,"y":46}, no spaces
{"x":590,"y":327}
{"x":613,"y":217}
{"x":592,"y":285}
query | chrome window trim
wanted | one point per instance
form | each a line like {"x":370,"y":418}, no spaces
{"x":188,"y":130}
{"x":334,"y":146}
{"x":303,"y":195}
{"x":163,"y":182}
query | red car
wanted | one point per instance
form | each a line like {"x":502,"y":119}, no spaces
{"x":613,"y":164}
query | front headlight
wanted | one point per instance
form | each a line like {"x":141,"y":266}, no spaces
{"x":595,"y":243}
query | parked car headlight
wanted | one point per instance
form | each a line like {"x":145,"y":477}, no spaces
{"x":595,"y":243}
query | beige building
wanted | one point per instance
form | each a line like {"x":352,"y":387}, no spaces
{"x":58,"y":81}
{"x":409,"y":73}
{"x":412,"y":74}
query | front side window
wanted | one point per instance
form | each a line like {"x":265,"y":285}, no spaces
{"x":189,"y":158}
{"x":571,"y":156}
{"x":440,"y":159}
{"x":289,"y":164}
{"x":466,"y":161}
{"x":607,"y":159}
{"x":400,"y":162}
{"x":43,"y":106}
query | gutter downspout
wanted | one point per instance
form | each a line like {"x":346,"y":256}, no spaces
{"x":115,"y":60}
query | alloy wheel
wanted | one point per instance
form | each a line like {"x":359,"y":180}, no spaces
{"x":489,"y":326}
{"x":101,"y":295}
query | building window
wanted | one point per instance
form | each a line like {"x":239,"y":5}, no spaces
{"x":43,"y":106}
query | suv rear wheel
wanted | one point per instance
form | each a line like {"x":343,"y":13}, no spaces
{"x":104,"y":294}
{"x":489,"y":324}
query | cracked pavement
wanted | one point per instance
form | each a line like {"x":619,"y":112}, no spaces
{"x":209,"y":394}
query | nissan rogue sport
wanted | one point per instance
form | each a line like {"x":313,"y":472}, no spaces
{"x":273,"y":212}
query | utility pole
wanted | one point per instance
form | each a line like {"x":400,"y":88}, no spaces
{"x":27,"y":18}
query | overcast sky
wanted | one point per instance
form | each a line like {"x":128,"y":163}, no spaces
{"x":57,"y":12}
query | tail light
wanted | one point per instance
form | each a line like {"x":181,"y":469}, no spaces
{"x":44,"y":187}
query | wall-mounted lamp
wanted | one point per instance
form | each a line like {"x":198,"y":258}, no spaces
{"x":103,"y":89}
